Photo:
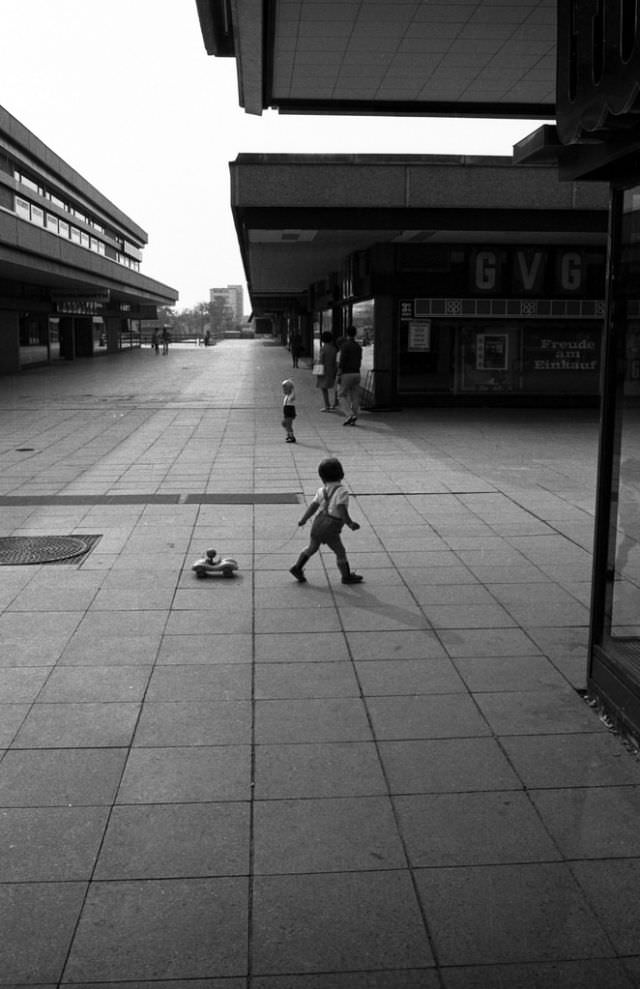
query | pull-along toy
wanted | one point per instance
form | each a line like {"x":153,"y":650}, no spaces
{"x":215,"y":566}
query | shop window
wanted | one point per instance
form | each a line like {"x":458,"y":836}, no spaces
{"x":491,"y":358}
{"x":492,"y":351}
{"x":362,"y":317}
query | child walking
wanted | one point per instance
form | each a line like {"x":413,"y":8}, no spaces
{"x":288,"y":408}
{"x":331,"y":502}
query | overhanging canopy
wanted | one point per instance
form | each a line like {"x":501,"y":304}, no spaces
{"x":298,"y":217}
{"x":494,"y":58}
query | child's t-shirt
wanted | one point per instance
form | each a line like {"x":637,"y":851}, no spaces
{"x":289,"y":398}
{"x":329,"y":496}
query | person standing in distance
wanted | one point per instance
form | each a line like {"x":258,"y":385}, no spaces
{"x":349,"y":363}
{"x":328,"y":357}
{"x":288,"y":408}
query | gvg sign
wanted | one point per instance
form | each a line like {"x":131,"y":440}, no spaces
{"x":528,"y":271}
{"x":598,"y":80}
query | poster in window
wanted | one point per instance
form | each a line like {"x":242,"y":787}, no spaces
{"x":491,"y":352}
{"x":419,"y":335}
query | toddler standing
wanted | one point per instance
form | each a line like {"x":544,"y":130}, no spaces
{"x":288,"y":408}
{"x":331,"y":502}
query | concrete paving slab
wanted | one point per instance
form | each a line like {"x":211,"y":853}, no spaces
{"x":408,"y":676}
{"x":162,"y":841}
{"x":332,"y":835}
{"x":96,"y":683}
{"x":407,"y":978}
{"x":79,"y":725}
{"x":446,"y":765}
{"x":194,"y":722}
{"x":201,"y":648}
{"x":462,"y":829}
{"x":37,"y":921}
{"x":278,"y":681}
{"x":319,"y":769}
{"x":530,"y":712}
{"x":173,"y":928}
{"x":595,"y":973}
{"x":214,"y":681}
{"x":509,"y":913}
{"x":60,"y":777}
{"x":183,"y":774}
{"x":332,"y":922}
{"x":326,"y":719}
{"x":50,"y":844}
{"x":592,"y":822}
{"x":425,"y":716}
{"x":582,"y":759}
{"x":509,"y":673}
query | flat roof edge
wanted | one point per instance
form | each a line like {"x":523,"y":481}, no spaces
{"x":31,"y":147}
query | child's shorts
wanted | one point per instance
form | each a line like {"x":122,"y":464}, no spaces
{"x":326,"y":529}
{"x":289,"y":411}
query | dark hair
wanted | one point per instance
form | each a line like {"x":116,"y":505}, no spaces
{"x":327,"y":337}
{"x":351,"y":331}
{"x":330,"y":470}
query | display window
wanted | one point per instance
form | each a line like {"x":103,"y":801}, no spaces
{"x":490,"y":358}
{"x":362,"y":316}
{"x":614,"y":668}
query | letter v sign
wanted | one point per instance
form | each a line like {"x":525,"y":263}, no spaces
{"x":529,"y":269}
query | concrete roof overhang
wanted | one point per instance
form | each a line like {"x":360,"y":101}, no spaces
{"x":485,"y":58}
{"x":298,"y":217}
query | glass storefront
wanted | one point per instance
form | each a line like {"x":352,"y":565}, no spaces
{"x":615,"y":624}
{"x":362,"y":315}
{"x":34,"y":340}
{"x":538,"y":357}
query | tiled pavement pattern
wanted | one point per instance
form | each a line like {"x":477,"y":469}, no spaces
{"x":256,"y":784}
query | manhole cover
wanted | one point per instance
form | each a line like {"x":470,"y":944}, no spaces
{"x":17,"y":551}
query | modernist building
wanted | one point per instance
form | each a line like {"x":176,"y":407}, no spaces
{"x":70,"y":279}
{"x":568,"y":60}
{"x":232,"y":298}
{"x":468,"y":279}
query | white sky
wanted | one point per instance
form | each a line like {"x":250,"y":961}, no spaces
{"x":125,"y":92}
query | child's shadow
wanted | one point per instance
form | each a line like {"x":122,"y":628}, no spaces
{"x":358,"y":597}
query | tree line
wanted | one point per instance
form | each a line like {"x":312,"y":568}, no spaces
{"x":215,"y":317}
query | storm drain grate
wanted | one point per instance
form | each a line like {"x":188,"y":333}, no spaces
{"x":18,"y":551}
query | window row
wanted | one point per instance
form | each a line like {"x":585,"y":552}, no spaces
{"x":54,"y":224}
{"x":41,"y":190}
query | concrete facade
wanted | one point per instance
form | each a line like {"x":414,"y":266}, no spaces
{"x":67,"y":255}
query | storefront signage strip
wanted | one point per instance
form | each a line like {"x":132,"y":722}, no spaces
{"x":503,"y":308}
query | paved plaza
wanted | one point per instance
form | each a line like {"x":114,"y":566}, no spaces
{"x":251,"y":783}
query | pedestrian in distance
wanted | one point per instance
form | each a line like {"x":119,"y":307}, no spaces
{"x":349,"y":363}
{"x":166,"y":337}
{"x":288,"y":408}
{"x":295,"y":345}
{"x":155,"y":341}
{"x":331,"y":503}
{"x":328,"y":357}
